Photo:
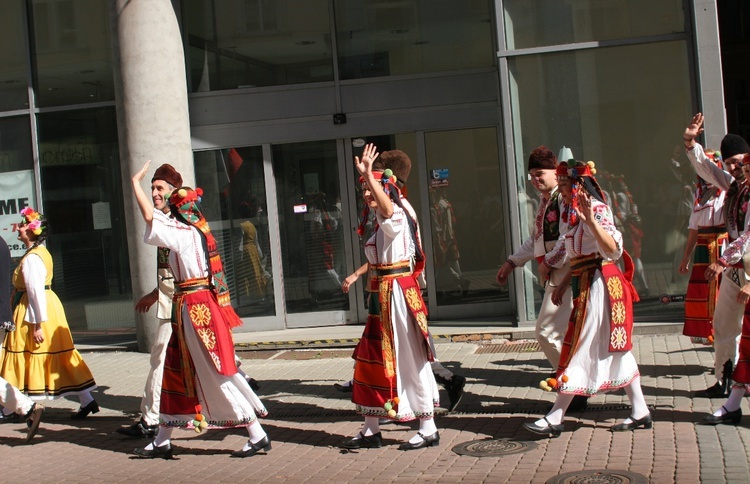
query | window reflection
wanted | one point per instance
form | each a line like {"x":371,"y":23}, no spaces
{"x":72,"y":51}
{"x":234,"y":203}
{"x":468,"y":242}
{"x":378,"y":38}
{"x":251,"y":43}
{"x":13,"y":66}
{"x":548,"y":22}
{"x":83,"y":201}
{"x":601,"y":104}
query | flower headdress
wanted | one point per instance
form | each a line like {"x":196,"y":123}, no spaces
{"x":388,"y":180}
{"x":34,"y":220}
{"x":581,"y":174}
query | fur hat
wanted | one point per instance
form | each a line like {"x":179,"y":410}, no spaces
{"x":167,"y":173}
{"x":733,"y":145}
{"x":398,"y":162}
{"x":542,"y":158}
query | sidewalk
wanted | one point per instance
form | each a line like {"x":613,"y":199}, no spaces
{"x":308,"y":417}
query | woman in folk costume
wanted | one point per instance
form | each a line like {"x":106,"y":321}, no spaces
{"x":392,"y":374}
{"x":596,"y":353}
{"x":39,"y":357}
{"x":707,"y":236}
{"x":201,"y":386}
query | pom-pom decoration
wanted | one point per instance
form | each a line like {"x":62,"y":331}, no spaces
{"x":182,"y":192}
{"x":564,"y":378}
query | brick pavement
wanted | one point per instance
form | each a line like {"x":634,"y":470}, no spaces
{"x":308,"y":417}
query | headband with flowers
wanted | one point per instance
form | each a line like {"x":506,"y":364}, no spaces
{"x":32,"y":219}
{"x":388,"y":179}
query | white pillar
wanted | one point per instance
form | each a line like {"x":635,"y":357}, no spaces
{"x":152,"y":121}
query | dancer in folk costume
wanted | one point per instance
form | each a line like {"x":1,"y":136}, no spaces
{"x":728,"y":315}
{"x":39,"y":357}
{"x":202,"y":386}
{"x":707,"y":237}
{"x":392,"y":374}
{"x":596,"y":354}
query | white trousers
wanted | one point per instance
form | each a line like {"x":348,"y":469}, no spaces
{"x":728,"y":320}
{"x":552,"y":322}
{"x":12,"y":399}
{"x":152,"y":392}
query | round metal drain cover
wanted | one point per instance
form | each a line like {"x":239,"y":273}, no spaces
{"x":601,"y":476}
{"x":493,"y":447}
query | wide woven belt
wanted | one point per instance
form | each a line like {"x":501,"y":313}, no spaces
{"x":191,"y":285}
{"x":720,"y":229}
{"x":397,"y":268}
{"x":579,"y":265}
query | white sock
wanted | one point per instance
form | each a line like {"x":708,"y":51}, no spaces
{"x":637,"y":401}
{"x":370,"y":427}
{"x":733,"y":403}
{"x":85,"y":398}
{"x":427,"y":427}
{"x":557,"y":414}
{"x":164,"y":437}
{"x":256,"y":433}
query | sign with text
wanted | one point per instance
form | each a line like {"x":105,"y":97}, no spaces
{"x":439,"y":178}
{"x":16,"y":193}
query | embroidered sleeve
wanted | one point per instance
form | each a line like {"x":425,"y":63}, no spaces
{"x":34,"y":274}
{"x":707,"y":169}
{"x":603,"y":216}
{"x":734,"y":251}
{"x":167,"y":232}
{"x":524,"y":253}
{"x":394,"y":225}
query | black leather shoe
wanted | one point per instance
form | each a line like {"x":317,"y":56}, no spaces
{"x":263,"y":444}
{"x":12,"y":418}
{"x":139,"y":430}
{"x":374,"y":441}
{"x":165,"y":452}
{"x":733,"y":417}
{"x":646,"y":422}
{"x":254,"y":385}
{"x":33,"y":419}
{"x":549,"y":430}
{"x":455,"y":391}
{"x":716,"y":391}
{"x":429,"y":441}
{"x":84,"y":412}
{"x":343,"y":388}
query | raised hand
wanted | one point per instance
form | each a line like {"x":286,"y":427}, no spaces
{"x":138,"y":177}
{"x":584,"y":210}
{"x":693,"y":129}
{"x":369,"y":155}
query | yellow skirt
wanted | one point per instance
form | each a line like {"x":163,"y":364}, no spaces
{"x":51,"y":369}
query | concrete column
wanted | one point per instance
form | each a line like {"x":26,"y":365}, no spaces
{"x":709,"y":71}
{"x":152,"y":122}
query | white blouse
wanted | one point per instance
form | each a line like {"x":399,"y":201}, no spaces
{"x":186,"y":256}
{"x":579,"y":240}
{"x":34,"y":274}
{"x":392,"y":241}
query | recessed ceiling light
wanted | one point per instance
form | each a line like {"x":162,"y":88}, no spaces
{"x":305,"y":42}
{"x":399,"y":31}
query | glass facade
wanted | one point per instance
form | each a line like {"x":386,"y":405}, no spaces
{"x":539,"y":23}
{"x":376,"y":38}
{"x":72,"y":52}
{"x":622,"y":104}
{"x":254,"y":43}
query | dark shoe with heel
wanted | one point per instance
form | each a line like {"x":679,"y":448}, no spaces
{"x":33,"y":419}
{"x":455,"y":391}
{"x":429,"y":441}
{"x":716,"y":391}
{"x":549,"y":430}
{"x":139,"y":430}
{"x":84,"y":412}
{"x":374,"y":441}
{"x":165,"y":452}
{"x":263,"y":444}
{"x":646,"y":422}
{"x":732,"y":417}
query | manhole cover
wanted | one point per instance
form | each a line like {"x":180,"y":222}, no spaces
{"x":493,"y":447}
{"x":603,"y":476}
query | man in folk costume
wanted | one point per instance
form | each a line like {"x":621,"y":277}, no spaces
{"x":163,"y":183}
{"x":201,"y":386}
{"x":548,"y":248}
{"x":729,"y":311}
{"x":707,"y":235}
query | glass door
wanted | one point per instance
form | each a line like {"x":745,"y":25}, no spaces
{"x":312,"y":234}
